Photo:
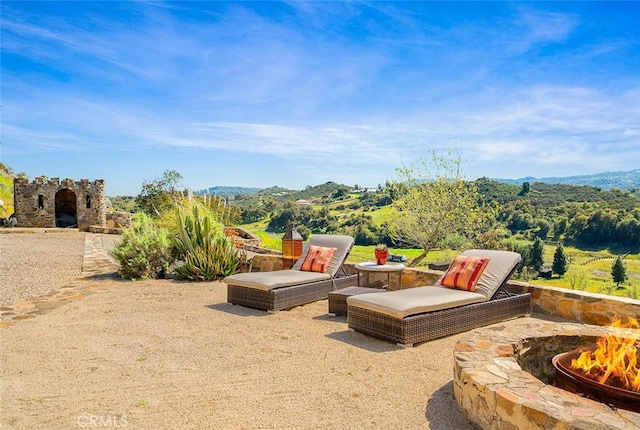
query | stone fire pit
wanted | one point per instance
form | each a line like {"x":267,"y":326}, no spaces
{"x":503,"y":378}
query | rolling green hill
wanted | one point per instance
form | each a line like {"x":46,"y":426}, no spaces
{"x":279,"y":193}
{"x":623,"y":180}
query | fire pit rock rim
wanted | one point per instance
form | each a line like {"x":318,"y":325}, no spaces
{"x":494,"y":392}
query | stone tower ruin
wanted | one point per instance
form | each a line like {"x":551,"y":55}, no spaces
{"x":55,"y":203}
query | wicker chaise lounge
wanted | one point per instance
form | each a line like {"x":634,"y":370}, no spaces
{"x":284,"y":289}
{"x":419,"y":314}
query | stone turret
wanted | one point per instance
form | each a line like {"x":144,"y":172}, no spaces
{"x":55,"y":203}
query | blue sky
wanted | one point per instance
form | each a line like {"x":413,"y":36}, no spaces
{"x":301,"y":93}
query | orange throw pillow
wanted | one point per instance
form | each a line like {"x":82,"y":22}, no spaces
{"x":464,"y":272}
{"x":317,"y":259}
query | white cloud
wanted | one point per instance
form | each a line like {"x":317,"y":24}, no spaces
{"x":547,"y":26}
{"x":534,"y":27}
{"x":299,"y":85}
{"x":553,"y":125}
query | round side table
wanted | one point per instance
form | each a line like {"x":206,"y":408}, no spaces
{"x":369,"y":267}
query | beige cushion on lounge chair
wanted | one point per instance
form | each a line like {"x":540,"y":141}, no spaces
{"x":280,"y":278}
{"x":403,"y":303}
{"x":412,"y":301}
{"x":501,"y":265}
{"x":267,"y":281}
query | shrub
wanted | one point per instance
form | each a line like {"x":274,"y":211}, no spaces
{"x":206,"y":251}
{"x":144,"y":251}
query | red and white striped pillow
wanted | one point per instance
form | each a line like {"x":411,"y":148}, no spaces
{"x":317,"y":259}
{"x":464,"y":272}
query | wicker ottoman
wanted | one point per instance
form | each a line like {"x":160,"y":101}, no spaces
{"x":338,"y":298}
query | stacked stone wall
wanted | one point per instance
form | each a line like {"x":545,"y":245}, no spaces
{"x":580,"y":306}
{"x":118,"y":220}
{"x":266,"y":263}
{"x":35,"y":202}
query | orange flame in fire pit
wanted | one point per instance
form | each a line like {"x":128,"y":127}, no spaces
{"x":615,"y":361}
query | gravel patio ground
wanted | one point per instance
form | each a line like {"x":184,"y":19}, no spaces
{"x":168,"y":354}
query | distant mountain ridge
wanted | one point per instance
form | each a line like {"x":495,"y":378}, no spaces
{"x":309,"y":192}
{"x":224,"y":191}
{"x":607,"y":180}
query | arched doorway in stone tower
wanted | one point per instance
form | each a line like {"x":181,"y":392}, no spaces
{"x":66,"y":209}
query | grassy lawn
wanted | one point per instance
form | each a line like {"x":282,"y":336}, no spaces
{"x":270,"y":240}
{"x":267,"y":240}
{"x":597,"y":265}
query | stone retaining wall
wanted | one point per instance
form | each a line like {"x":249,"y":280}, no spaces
{"x":266,"y":263}
{"x":104,"y":230}
{"x":410,"y":277}
{"x":118,"y":220}
{"x":245,"y":238}
{"x":580,"y":306}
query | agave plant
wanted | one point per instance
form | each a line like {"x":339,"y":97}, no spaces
{"x":206,"y":264}
{"x":193,"y":231}
{"x":207,"y":253}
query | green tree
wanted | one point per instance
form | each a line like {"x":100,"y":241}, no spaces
{"x":576,"y":226}
{"x":122,"y":203}
{"x":341,"y":191}
{"x":525,"y":253}
{"x":544,"y":227}
{"x":279,"y":221}
{"x":253,"y":214}
{"x":618,"y":271}
{"x":600,"y":227}
{"x":304,"y":231}
{"x":578,"y":278}
{"x":537,"y":254}
{"x":559,"y":227}
{"x":362,"y":228}
{"x":437,"y":203}
{"x":159,"y":195}
{"x":628,"y":230}
{"x":559,"y":261}
{"x":321,"y":221}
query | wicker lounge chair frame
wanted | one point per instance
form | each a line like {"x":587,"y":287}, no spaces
{"x":432,"y":325}
{"x":287,"y":297}
{"x":281,"y":298}
{"x":426,"y":326}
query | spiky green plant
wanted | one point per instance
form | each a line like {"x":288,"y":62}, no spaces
{"x":193,"y":231}
{"x":209,"y":263}
{"x":206,"y":252}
